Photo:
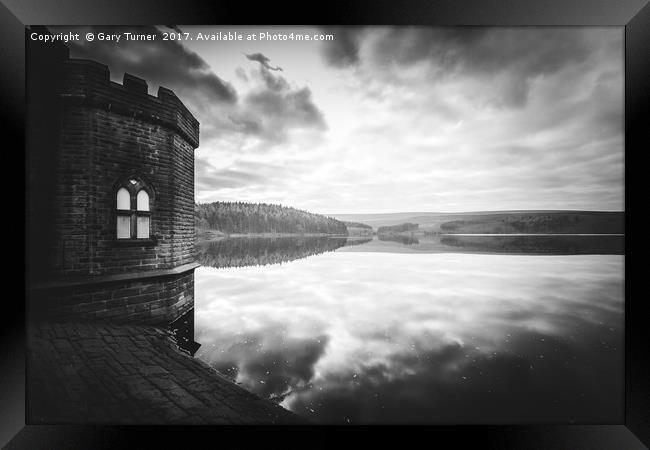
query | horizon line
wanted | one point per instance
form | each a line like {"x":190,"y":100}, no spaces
{"x":479,"y":211}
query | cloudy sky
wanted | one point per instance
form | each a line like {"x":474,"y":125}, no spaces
{"x":396,"y":119}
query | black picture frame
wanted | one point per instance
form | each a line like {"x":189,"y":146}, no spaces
{"x":634,"y":15}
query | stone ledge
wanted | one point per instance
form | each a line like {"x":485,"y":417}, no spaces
{"x":99,"y":279}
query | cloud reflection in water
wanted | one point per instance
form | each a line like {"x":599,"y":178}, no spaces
{"x":427,"y":338}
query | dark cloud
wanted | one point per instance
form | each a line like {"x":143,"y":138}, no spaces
{"x":343,"y":51}
{"x":268,"y":112}
{"x":247,"y":125}
{"x":272,"y":82}
{"x":275,"y":107}
{"x":209,"y":177}
{"x":159,"y":62}
{"x":263,"y":60}
{"x":516,"y":55}
{"x":606,"y":105}
{"x":294,"y":107}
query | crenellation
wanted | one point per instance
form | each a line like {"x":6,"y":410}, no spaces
{"x":134,"y":84}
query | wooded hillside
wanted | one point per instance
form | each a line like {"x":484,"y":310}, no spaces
{"x":240,"y":217}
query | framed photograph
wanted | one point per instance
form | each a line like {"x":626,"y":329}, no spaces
{"x":365,"y":215}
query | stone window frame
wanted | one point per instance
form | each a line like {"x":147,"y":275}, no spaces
{"x":141,"y":184}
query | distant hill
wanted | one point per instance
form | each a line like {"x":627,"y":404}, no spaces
{"x":401,"y":228}
{"x":501,"y":222}
{"x":356,"y":224}
{"x":551,"y":223}
{"x":358,"y":229}
{"x":250,"y":218}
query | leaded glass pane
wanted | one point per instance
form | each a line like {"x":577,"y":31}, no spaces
{"x":143,"y":227}
{"x":123,"y":199}
{"x":123,"y":227}
{"x":143,"y":201}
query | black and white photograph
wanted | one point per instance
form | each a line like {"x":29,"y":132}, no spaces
{"x":329,"y":225}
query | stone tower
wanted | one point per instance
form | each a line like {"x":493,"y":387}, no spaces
{"x":110,"y":193}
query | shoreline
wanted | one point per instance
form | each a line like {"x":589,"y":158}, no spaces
{"x":205,"y":236}
{"x":220,"y":235}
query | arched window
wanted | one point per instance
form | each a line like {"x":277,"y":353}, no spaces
{"x":133,"y":210}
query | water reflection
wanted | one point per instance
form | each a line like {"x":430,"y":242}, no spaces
{"x":513,"y":244}
{"x":250,"y":251}
{"x":380,"y":337}
{"x":402,"y":239}
{"x":549,"y":244}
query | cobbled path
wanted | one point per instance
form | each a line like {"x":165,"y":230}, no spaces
{"x":120,"y":374}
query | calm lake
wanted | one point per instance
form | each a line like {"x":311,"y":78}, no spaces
{"x":452,"y":329}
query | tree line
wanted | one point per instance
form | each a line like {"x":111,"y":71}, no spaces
{"x":245,"y":218}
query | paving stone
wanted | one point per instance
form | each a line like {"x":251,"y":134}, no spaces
{"x":111,"y":373}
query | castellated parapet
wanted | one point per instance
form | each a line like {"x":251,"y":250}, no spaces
{"x":110,"y":193}
{"x":88,"y":82}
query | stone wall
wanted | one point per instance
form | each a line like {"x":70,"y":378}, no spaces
{"x":144,"y":301}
